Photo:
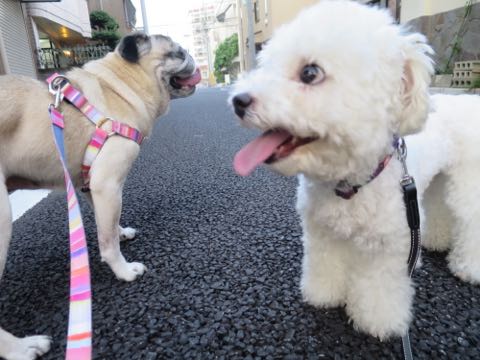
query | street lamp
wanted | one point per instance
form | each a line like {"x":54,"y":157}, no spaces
{"x":221,"y":17}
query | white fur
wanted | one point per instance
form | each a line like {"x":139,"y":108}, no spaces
{"x":376,"y":85}
{"x":127,"y":233}
{"x":27,"y":348}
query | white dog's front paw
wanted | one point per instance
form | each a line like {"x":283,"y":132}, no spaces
{"x":381,"y":310}
{"x":383,"y":322}
{"x":28,"y":348}
{"x":322,"y":296}
{"x":127,"y":233}
{"x":130,"y":271}
{"x":465,"y":271}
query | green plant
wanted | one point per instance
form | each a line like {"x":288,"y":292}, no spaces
{"x":457,"y":41}
{"x":224,"y":55}
{"x":475,"y":84}
{"x":104,"y":28}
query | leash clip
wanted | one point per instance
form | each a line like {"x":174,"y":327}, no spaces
{"x":55,"y":87}
{"x":407,"y":179}
{"x":58,"y":98}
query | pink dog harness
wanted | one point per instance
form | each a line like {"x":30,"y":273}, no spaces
{"x":100,"y":136}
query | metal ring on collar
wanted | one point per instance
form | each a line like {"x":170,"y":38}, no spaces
{"x":102,"y":121}
{"x":55,"y":84}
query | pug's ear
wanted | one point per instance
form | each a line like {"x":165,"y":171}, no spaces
{"x":133,"y":46}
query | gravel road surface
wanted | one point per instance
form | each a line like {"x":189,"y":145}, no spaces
{"x":223,"y":256}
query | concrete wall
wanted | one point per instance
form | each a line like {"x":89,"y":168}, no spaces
{"x":442,"y":29}
{"x":412,"y":9}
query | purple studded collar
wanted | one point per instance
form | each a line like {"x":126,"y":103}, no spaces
{"x":346,"y":190}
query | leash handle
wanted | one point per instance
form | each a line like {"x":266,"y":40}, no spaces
{"x":411,"y":205}
{"x":413,"y":218}
{"x":79,"y":340}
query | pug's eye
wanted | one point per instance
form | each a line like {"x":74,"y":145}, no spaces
{"x":312,"y":74}
{"x":175,"y":55}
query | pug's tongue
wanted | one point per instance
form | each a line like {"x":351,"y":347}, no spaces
{"x":256,"y":152}
{"x":190,"y":81}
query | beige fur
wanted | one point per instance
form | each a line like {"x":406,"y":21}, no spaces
{"x":131,"y":85}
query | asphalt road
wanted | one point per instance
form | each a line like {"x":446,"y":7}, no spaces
{"x":223,"y":254}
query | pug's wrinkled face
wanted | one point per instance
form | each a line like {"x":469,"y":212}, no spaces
{"x":172,"y":65}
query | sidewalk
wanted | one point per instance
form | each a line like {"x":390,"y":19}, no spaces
{"x":453,"y":91}
{"x":22,"y":200}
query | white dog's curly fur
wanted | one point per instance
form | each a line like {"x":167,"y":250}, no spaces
{"x":370,"y":81}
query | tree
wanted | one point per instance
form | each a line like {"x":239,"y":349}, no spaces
{"x":224,"y":56}
{"x":104,"y":28}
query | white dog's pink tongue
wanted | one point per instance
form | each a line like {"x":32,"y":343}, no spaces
{"x":256,"y":152}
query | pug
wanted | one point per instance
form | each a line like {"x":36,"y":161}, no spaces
{"x":133,"y":85}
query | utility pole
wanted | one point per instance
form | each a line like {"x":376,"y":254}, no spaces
{"x":250,"y":36}
{"x":206,"y":39}
{"x":144,"y":17}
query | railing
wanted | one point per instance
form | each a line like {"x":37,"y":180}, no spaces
{"x":68,"y":57}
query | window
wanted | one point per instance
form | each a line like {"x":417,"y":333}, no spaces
{"x":266,"y":12}
{"x":381,"y":3}
{"x":393,"y":5}
{"x":255,"y":11}
{"x":2,"y":70}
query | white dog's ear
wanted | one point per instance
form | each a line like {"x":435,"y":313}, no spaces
{"x":133,"y":46}
{"x":417,"y":72}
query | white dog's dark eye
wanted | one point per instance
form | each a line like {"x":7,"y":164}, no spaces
{"x":312,"y":74}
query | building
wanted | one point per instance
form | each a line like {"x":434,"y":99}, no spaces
{"x":267,"y":16}
{"x":123,"y":11}
{"x":54,"y":29}
{"x":28,"y":26}
{"x":212,"y":23}
{"x":37,"y":36}
{"x":270,"y":14}
{"x":16,"y":56}
{"x":201,"y":19}
{"x":64,"y":23}
{"x":452,"y":26}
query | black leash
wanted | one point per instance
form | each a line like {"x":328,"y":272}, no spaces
{"x":413,"y":218}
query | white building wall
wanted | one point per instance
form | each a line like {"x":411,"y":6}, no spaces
{"x":72,"y":14}
{"x":412,"y":9}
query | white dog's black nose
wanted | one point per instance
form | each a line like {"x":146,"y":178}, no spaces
{"x":241,"y":102}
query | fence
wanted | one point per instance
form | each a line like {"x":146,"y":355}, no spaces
{"x":68,"y":57}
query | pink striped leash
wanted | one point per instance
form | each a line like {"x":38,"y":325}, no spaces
{"x":79,"y":340}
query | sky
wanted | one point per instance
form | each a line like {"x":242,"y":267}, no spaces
{"x":169,"y":17}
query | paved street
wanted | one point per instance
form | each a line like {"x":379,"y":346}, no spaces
{"x":223,"y":254}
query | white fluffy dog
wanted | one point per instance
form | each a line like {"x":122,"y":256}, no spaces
{"x":332,"y":90}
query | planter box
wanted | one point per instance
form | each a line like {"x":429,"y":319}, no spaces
{"x":465,"y":73}
{"x":443,"y":81}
